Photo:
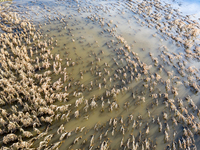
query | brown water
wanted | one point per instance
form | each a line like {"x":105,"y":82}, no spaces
{"x":103,"y":46}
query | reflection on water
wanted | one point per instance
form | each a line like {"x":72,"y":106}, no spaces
{"x":98,"y":75}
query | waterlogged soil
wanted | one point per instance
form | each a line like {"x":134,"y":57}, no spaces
{"x":129,"y":83}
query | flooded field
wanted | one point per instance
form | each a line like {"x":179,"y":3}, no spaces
{"x":101,"y":74}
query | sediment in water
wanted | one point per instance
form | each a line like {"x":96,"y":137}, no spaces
{"x":83,"y":79}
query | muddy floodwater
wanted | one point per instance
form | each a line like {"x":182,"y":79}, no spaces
{"x":101,"y":74}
